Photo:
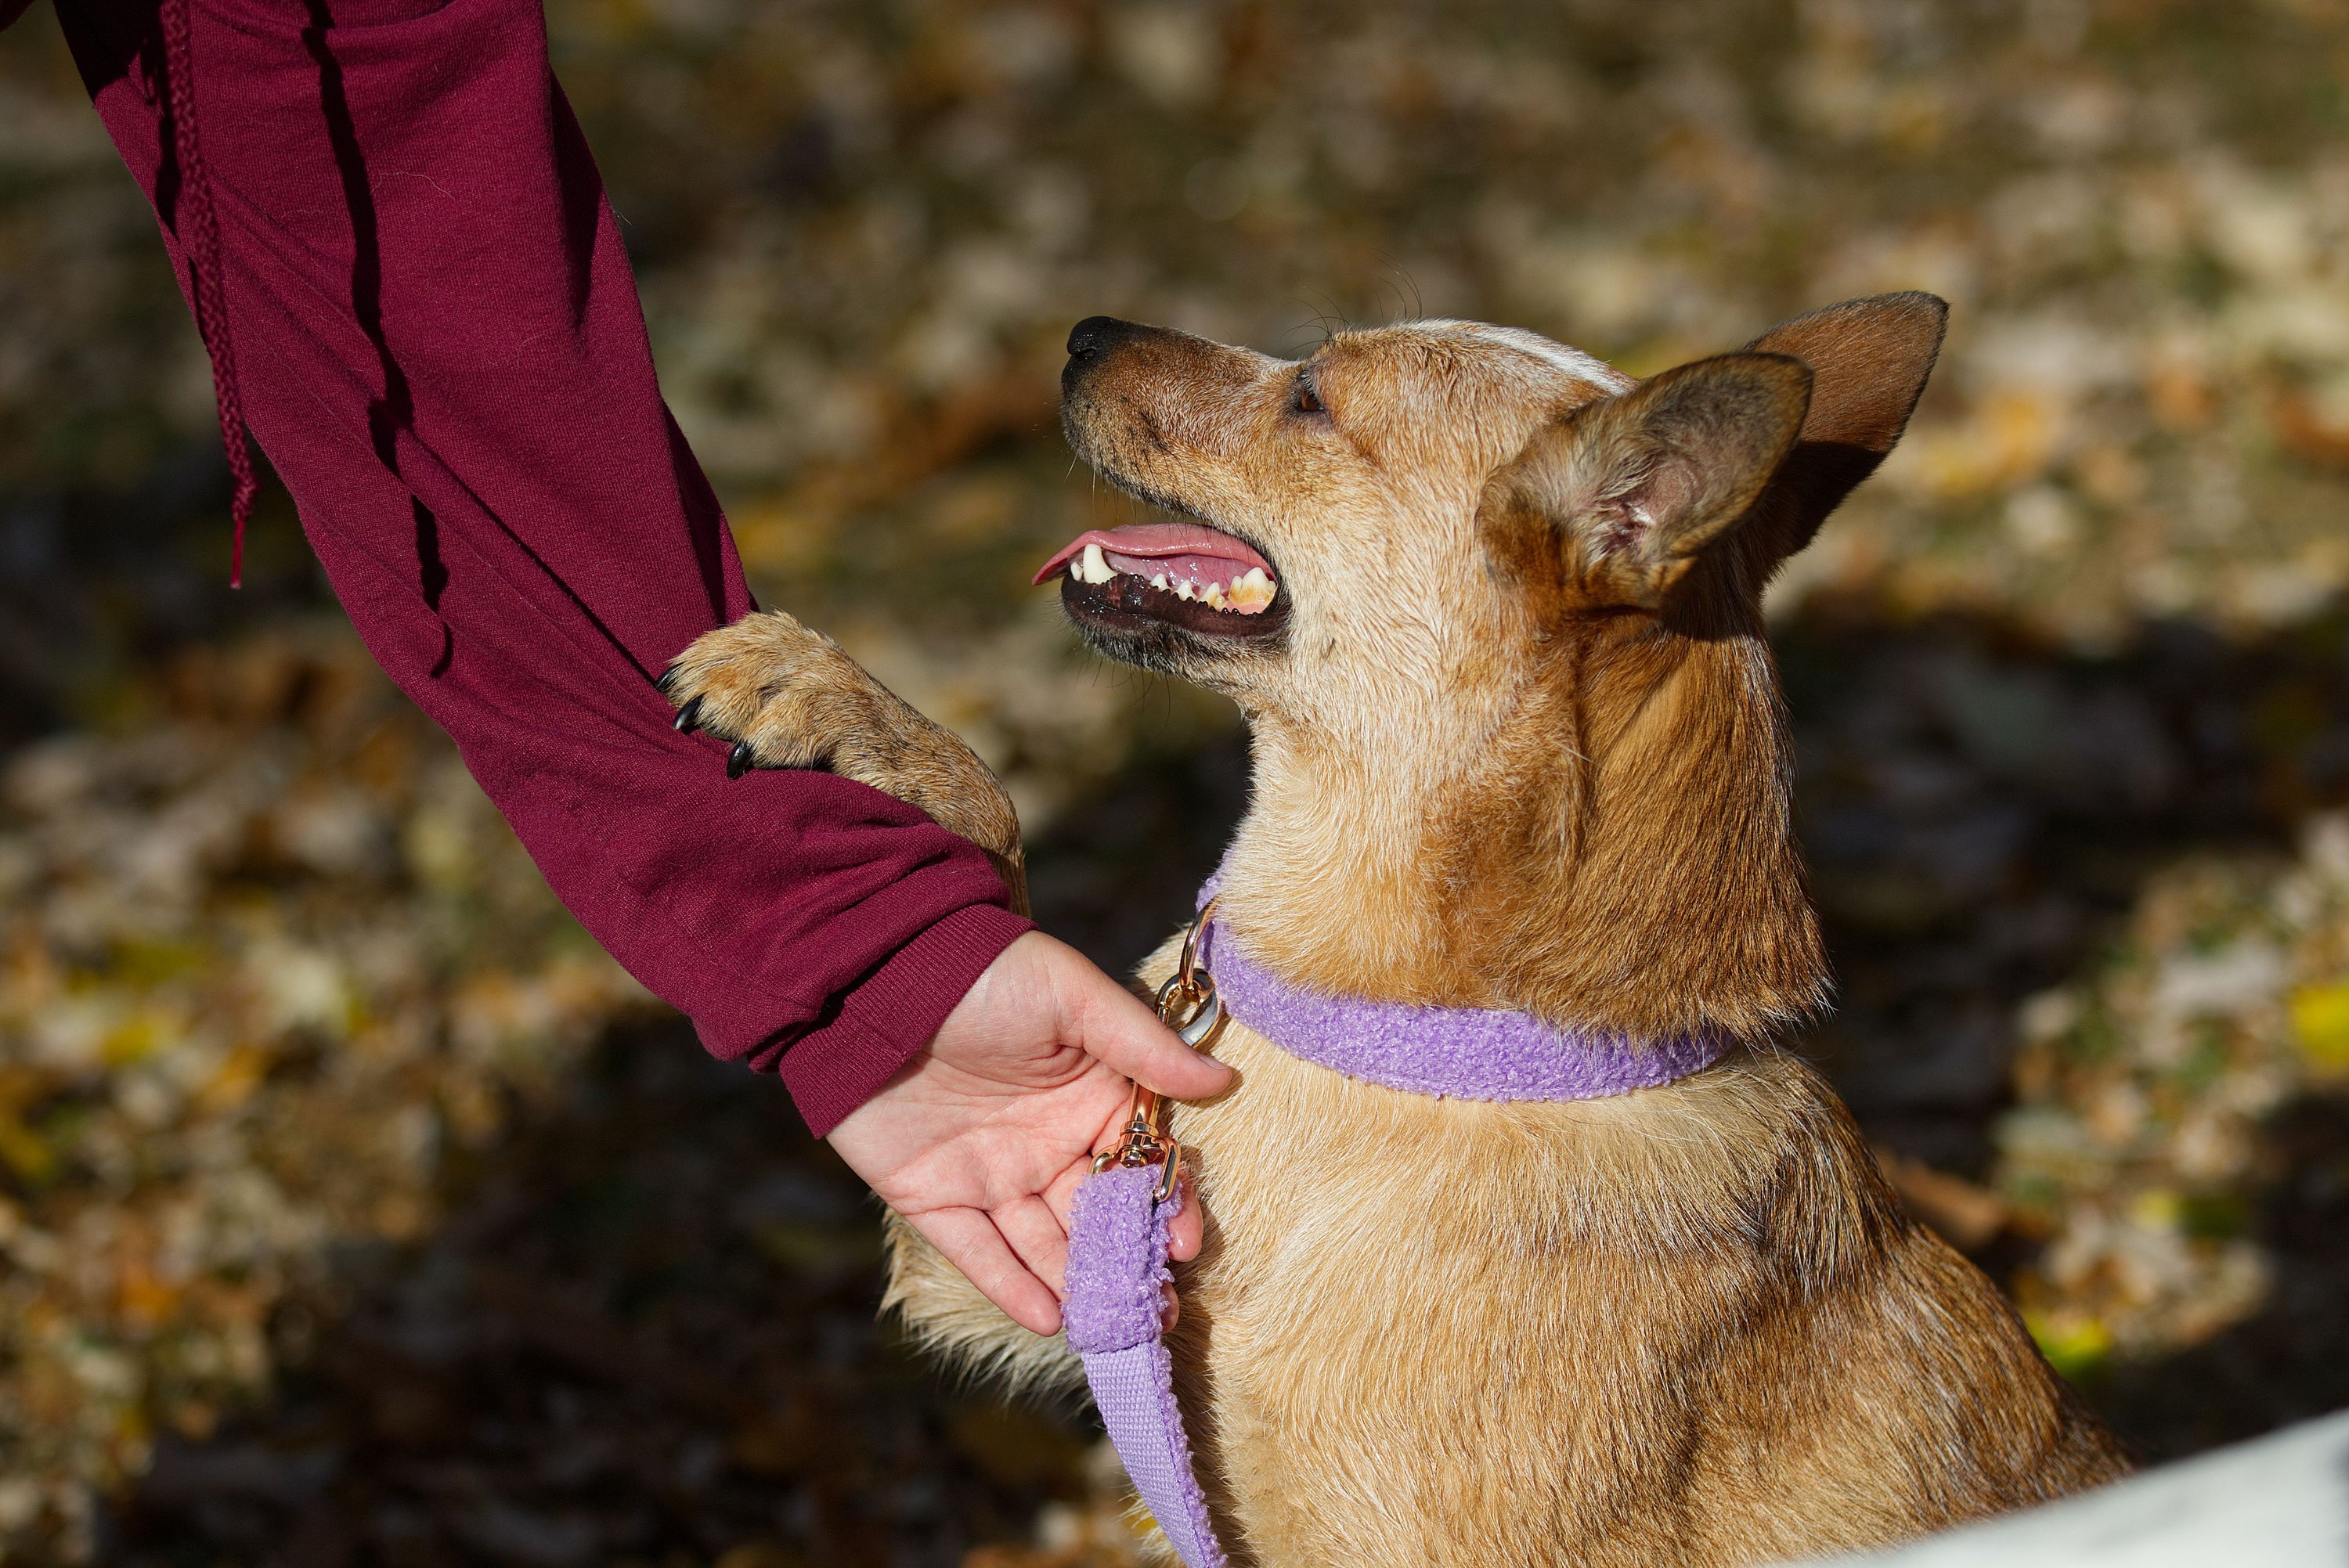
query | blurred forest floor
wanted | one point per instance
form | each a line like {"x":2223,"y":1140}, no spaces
{"x":354,"y":1210}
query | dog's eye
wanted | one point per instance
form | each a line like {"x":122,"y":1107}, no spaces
{"x":1305,"y":400}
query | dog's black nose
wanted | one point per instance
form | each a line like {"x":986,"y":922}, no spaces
{"x":1097,"y":335}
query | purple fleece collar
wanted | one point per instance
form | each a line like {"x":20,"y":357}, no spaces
{"x":1117,"y":1235}
{"x":1462,"y":1053}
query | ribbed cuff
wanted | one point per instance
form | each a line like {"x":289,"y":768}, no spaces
{"x":875,"y":1028}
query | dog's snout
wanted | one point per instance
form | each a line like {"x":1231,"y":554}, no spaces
{"x":1091,"y":343}
{"x":1097,"y":335}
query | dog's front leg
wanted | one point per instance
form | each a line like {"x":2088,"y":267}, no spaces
{"x":788,"y":697}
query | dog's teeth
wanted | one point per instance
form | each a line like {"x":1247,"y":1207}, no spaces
{"x":1252,"y":590}
{"x":1215,"y":595}
{"x":1093,"y":567}
{"x":1182,"y":591}
{"x":1159,"y":583}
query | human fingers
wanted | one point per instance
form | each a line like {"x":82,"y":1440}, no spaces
{"x":1036,"y":1234}
{"x":1188,"y":1227}
{"x":1115,"y":1028}
{"x":970,"y":1241}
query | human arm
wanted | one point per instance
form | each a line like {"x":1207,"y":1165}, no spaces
{"x":440,"y":348}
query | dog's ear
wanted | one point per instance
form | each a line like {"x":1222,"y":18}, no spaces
{"x":1868,"y":359}
{"x":1621,"y":496}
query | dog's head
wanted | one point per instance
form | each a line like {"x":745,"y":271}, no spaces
{"x":1408,"y":490}
{"x":1443,"y":560}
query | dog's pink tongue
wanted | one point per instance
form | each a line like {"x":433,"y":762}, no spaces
{"x":1187,"y":551}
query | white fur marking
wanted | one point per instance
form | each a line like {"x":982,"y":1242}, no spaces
{"x":1574,"y":362}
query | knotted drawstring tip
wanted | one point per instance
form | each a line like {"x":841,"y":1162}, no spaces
{"x":239,"y":509}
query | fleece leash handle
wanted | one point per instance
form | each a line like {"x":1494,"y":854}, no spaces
{"x":1117,"y":1272}
{"x":1118,"y":1282}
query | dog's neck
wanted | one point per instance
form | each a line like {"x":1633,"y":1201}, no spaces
{"x":1603,"y":839}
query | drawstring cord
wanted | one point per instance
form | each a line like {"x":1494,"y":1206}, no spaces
{"x":199,"y":230}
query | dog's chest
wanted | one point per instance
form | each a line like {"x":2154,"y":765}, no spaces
{"x":1413,"y":1298}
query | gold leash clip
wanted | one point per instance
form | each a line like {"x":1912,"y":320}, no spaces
{"x":1186,"y":1004}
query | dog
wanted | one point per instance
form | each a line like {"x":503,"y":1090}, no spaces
{"x":1492,"y":611}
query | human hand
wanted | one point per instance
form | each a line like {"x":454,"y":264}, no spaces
{"x":980,"y":1143}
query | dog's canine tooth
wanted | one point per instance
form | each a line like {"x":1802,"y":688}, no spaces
{"x":1252,"y":590}
{"x":1094,"y":567}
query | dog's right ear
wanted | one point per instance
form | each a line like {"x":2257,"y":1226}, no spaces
{"x":1615,"y":501}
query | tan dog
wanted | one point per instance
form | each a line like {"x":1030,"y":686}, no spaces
{"x":1519,"y":745}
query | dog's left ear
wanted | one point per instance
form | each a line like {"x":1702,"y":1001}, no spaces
{"x":1617,"y":499}
{"x":1868,"y":359}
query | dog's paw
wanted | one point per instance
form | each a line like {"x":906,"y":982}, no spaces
{"x":787,"y":696}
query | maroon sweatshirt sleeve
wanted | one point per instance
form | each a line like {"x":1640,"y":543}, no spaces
{"x":437,"y":342}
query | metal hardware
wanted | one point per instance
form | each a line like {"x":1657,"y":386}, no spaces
{"x":1186,"y":1004}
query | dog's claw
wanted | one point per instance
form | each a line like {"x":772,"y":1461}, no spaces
{"x":663,"y":680}
{"x":737,"y":762}
{"x":689,"y":716}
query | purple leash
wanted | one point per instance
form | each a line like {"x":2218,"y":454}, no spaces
{"x":1117,"y":1270}
{"x":1118,"y":1284}
{"x":1117,"y":1234}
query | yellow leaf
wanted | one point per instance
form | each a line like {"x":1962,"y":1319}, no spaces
{"x":144,"y":1300}
{"x":24,"y":1151}
{"x":238,"y":1077}
{"x":2075,"y":1345}
{"x":2157,"y":1210}
{"x":139,"y":1037}
{"x":2319,"y":1019}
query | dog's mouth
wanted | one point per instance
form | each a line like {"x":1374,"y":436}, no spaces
{"x":1183,"y":573}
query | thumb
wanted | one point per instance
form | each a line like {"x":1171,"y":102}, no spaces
{"x":1116,"y":1028}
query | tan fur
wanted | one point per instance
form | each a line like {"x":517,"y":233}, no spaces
{"x":1520,"y":745}
{"x":1683,"y":1326}
{"x":799,"y":701}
